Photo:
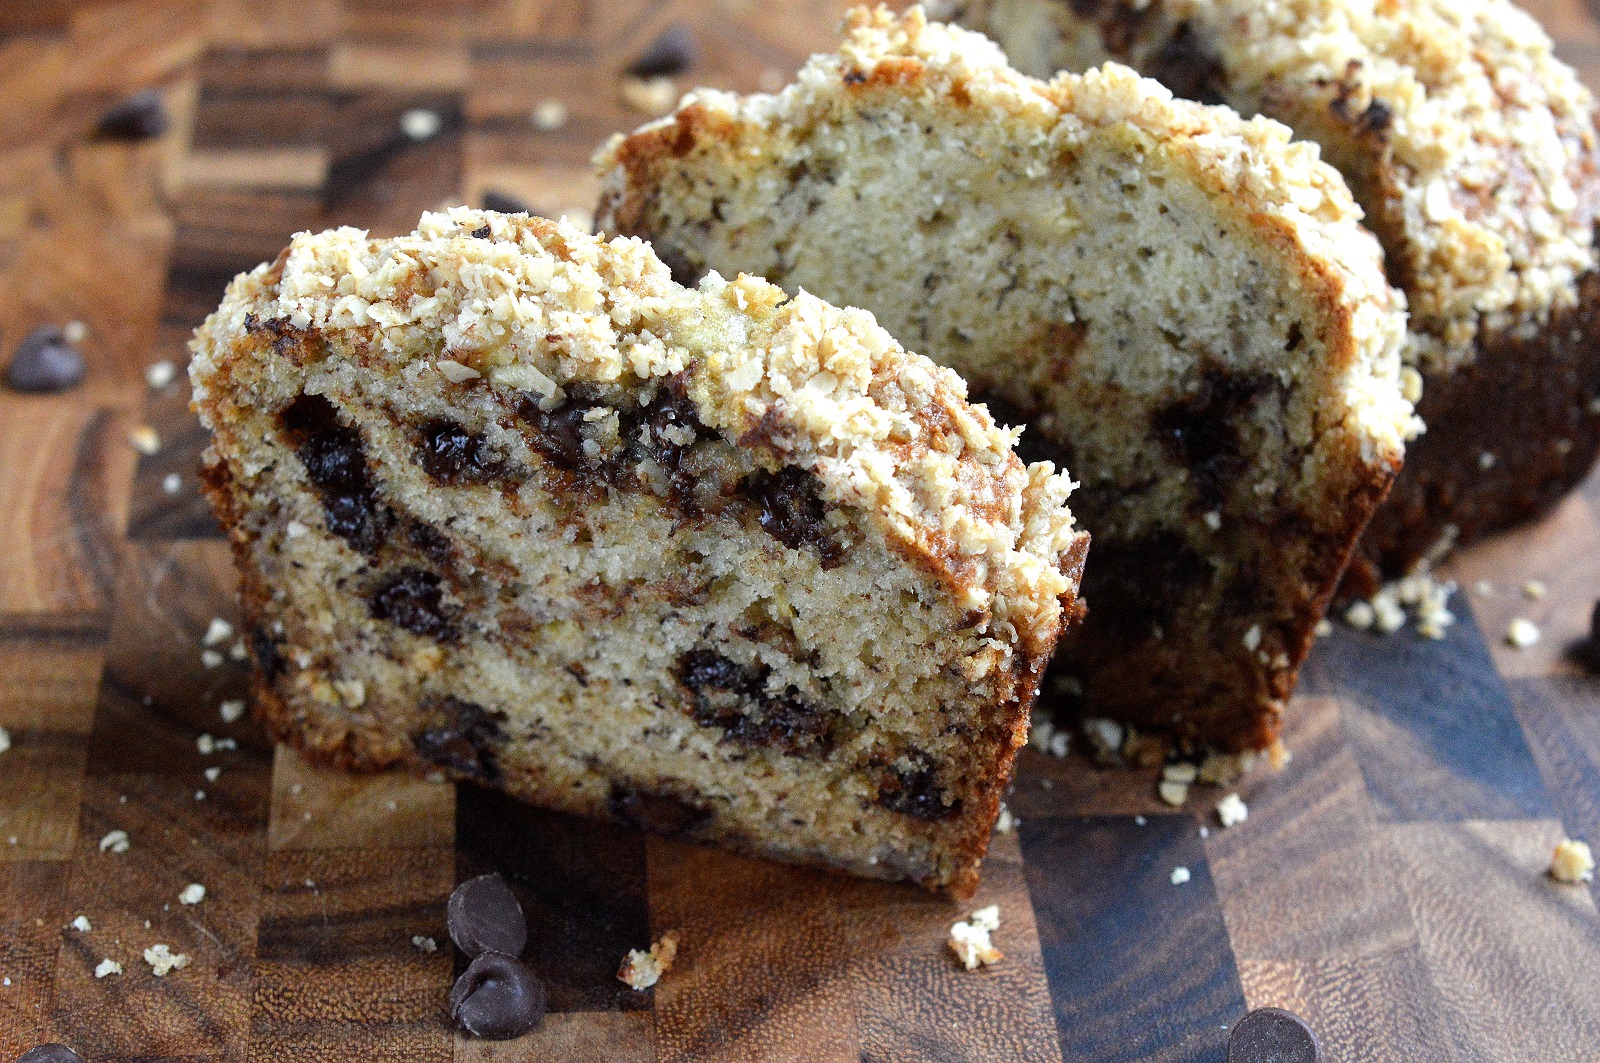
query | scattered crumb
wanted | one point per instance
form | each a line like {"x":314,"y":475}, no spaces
{"x":1213,"y":520}
{"x":1005,"y":823}
{"x":1173,"y":793}
{"x":172,"y":483}
{"x":211,"y":658}
{"x":424,"y":943}
{"x":1180,"y":875}
{"x":652,"y":96}
{"x":1220,"y":769}
{"x":212,"y":774}
{"x":106,"y":967}
{"x":550,"y":115}
{"x":237,"y":652}
{"x":1323,"y":629}
{"x":116,"y":841}
{"x":1145,"y":750}
{"x":1522,"y":633}
{"x":641,"y":970}
{"x":1205,"y":831}
{"x":1486,"y":460}
{"x":217,"y":632}
{"x":1106,"y":738}
{"x":1484,"y":588}
{"x":297,"y":788}
{"x":970,"y":942}
{"x":231,"y":711}
{"x":1278,"y":755}
{"x":206,"y":745}
{"x":75,"y":332}
{"x":81,"y":924}
{"x":294,"y":529}
{"x":144,"y":440}
{"x":1232,"y":811}
{"x":420,"y":124}
{"x":1533,"y":590}
{"x":160,"y":374}
{"x":163,"y":960}
{"x":5,"y":739}
{"x":1359,"y":616}
{"x":193,"y":893}
{"x":1252,"y":638}
{"x":1181,"y":772}
{"x":1139,"y":821}
{"x":1572,"y":862}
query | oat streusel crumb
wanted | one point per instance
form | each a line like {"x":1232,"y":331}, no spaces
{"x":1572,"y":862}
{"x":641,"y":970}
{"x":969,"y":939}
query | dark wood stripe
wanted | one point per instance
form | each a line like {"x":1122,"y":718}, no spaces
{"x":1561,"y":716}
{"x":1431,"y":723}
{"x":1139,"y":969}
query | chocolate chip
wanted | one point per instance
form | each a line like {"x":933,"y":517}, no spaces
{"x":335,"y":460}
{"x":465,"y":739}
{"x":268,"y":656}
{"x":50,"y":1053}
{"x":792,"y":511}
{"x":671,"y":53}
{"x":481,"y":233}
{"x":44,"y":363}
{"x":502,"y":203}
{"x":915,"y":792}
{"x":1272,"y":1035}
{"x":1202,"y":430}
{"x":139,"y":117}
{"x":451,"y":454}
{"x":485,"y":917}
{"x":414,"y":600}
{"x":735,"y":698}
{"x":497,"y":998}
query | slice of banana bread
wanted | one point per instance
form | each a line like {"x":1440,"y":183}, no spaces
{"x":510,"y":503}
{"x":1180,"y":302}
{"x":1473,"y":150}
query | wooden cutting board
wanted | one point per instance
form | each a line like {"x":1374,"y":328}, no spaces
{"x":1389,"y":885}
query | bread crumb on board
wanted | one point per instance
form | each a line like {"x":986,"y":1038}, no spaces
{"x":641,"y":970}
{"x":969,"y":939}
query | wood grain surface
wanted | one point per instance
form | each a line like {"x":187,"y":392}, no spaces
{"x":1388,"y":885}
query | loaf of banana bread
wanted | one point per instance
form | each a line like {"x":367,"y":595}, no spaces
{"x":509,"y":503}
{"x":1473,"y":151}
{"x":1180,"y":303}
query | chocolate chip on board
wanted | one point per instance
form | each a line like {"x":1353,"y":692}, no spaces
{"x":1272,"y":1035}
{"x":497,"y":998}
{"x":484,"y":916}
{"x":671,"y":53}
{"x":50,"y":1053}
{"x":139,"y":117}
{"x":44,"y":363}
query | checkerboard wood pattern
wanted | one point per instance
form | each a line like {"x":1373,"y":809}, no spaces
{"x":1388,"y":885}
